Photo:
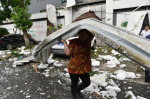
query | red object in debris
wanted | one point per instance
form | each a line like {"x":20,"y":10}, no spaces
{"x":69,"y":40}
{"x":0,"y":41}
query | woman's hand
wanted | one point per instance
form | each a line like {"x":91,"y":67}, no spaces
{"x":66,"y":48}
{"x":63,"y":41}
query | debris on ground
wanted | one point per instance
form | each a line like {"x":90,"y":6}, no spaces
{"x":107,"y":65}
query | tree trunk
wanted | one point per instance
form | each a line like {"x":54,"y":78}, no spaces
{"x":26,"y":39}
{"x":22,"y":4}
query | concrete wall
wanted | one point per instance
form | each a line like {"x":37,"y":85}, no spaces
{"x":121,"y":4}
{"x":99,"y":10}
{"x":87,"y":0}
{"x":124,"y":15}
{"x":11,"y":29}
{"x":109,"y":11}
{"x":38,"y":30}
{"x":113,"y":5}
{"x":67,"y":13}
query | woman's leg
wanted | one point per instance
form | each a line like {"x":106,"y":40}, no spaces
{"x":74,"y":83}
{"x":85,"y":83}
{"x":74,"y":80}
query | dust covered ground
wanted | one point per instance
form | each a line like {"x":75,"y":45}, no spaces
{"x":22,"y":82}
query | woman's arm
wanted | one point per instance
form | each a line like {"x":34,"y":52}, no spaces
{"x":66,"y":48}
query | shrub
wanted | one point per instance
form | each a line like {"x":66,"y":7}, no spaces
{"x":3,"y":32}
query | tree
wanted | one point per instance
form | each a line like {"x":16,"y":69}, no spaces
{"x":19,"y":15}
{"x":3,"y":32}
{"x":6,"y":9}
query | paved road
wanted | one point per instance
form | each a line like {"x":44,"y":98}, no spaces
{"x":23,"y":83}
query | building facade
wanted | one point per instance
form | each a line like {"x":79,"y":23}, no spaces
{"x":110,"y":11}
{"x":119,"y":10}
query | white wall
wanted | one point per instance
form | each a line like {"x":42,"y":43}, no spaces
{"x":109,"y":11}
{"x":120,"y":4}
{"x":122,"y":16}
{"x":61,"y":21}
{"x":39,"y":15}
{"x":99,"y":10}
{"x":67,"y":13}
{"x":38,"y":30}
{"x":11,"y":29}
{"x":112,"y":5}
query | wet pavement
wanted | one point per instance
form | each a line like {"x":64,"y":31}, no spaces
{"x":23,"y":83}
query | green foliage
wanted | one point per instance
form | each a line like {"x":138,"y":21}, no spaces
{"x":3,"y":32}
{"x":4,"y":14}
{"x":60,"y":26}
{"x":6,"y":10}
{"x":17,"y":11}
{"x":94,"y":54}
{"x":104,"y":50}
{"x":124,"y":24}
{"x":92,"y":73}
{"x":52,"y":29}
{"x":15,"y":53}
{"x":119,"y":56}
{"x":21,"y":18}
{"x":29,"y":47}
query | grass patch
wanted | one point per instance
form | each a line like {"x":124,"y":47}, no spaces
{"x":138,"y":69}
{"x":101,"y":51}
{"x":29,"y":47}
{"x":94,"y":54}
{"x":119,"y":56}
{"x":15,"y":54}
{"x":92,"y":73}
{"x":103,"y":61}
{"x":104,"y":50}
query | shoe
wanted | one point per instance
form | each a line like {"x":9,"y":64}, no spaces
{"x":74,"y":93}
{"x":80,"y":94}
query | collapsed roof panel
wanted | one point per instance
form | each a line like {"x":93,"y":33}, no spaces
{"x":121,"y":40}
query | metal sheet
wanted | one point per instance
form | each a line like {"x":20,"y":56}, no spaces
{"x":136,"y":48}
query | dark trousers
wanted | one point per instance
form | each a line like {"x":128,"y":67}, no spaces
{"x":75,"y":79}
{"x":148,"y":37}
{"x":147,"y":75}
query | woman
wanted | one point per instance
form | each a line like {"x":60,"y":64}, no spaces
{"x":79,"y":65}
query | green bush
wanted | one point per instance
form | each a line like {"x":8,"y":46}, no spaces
{"x":3,"y":32}
{"x":16,"y":54}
